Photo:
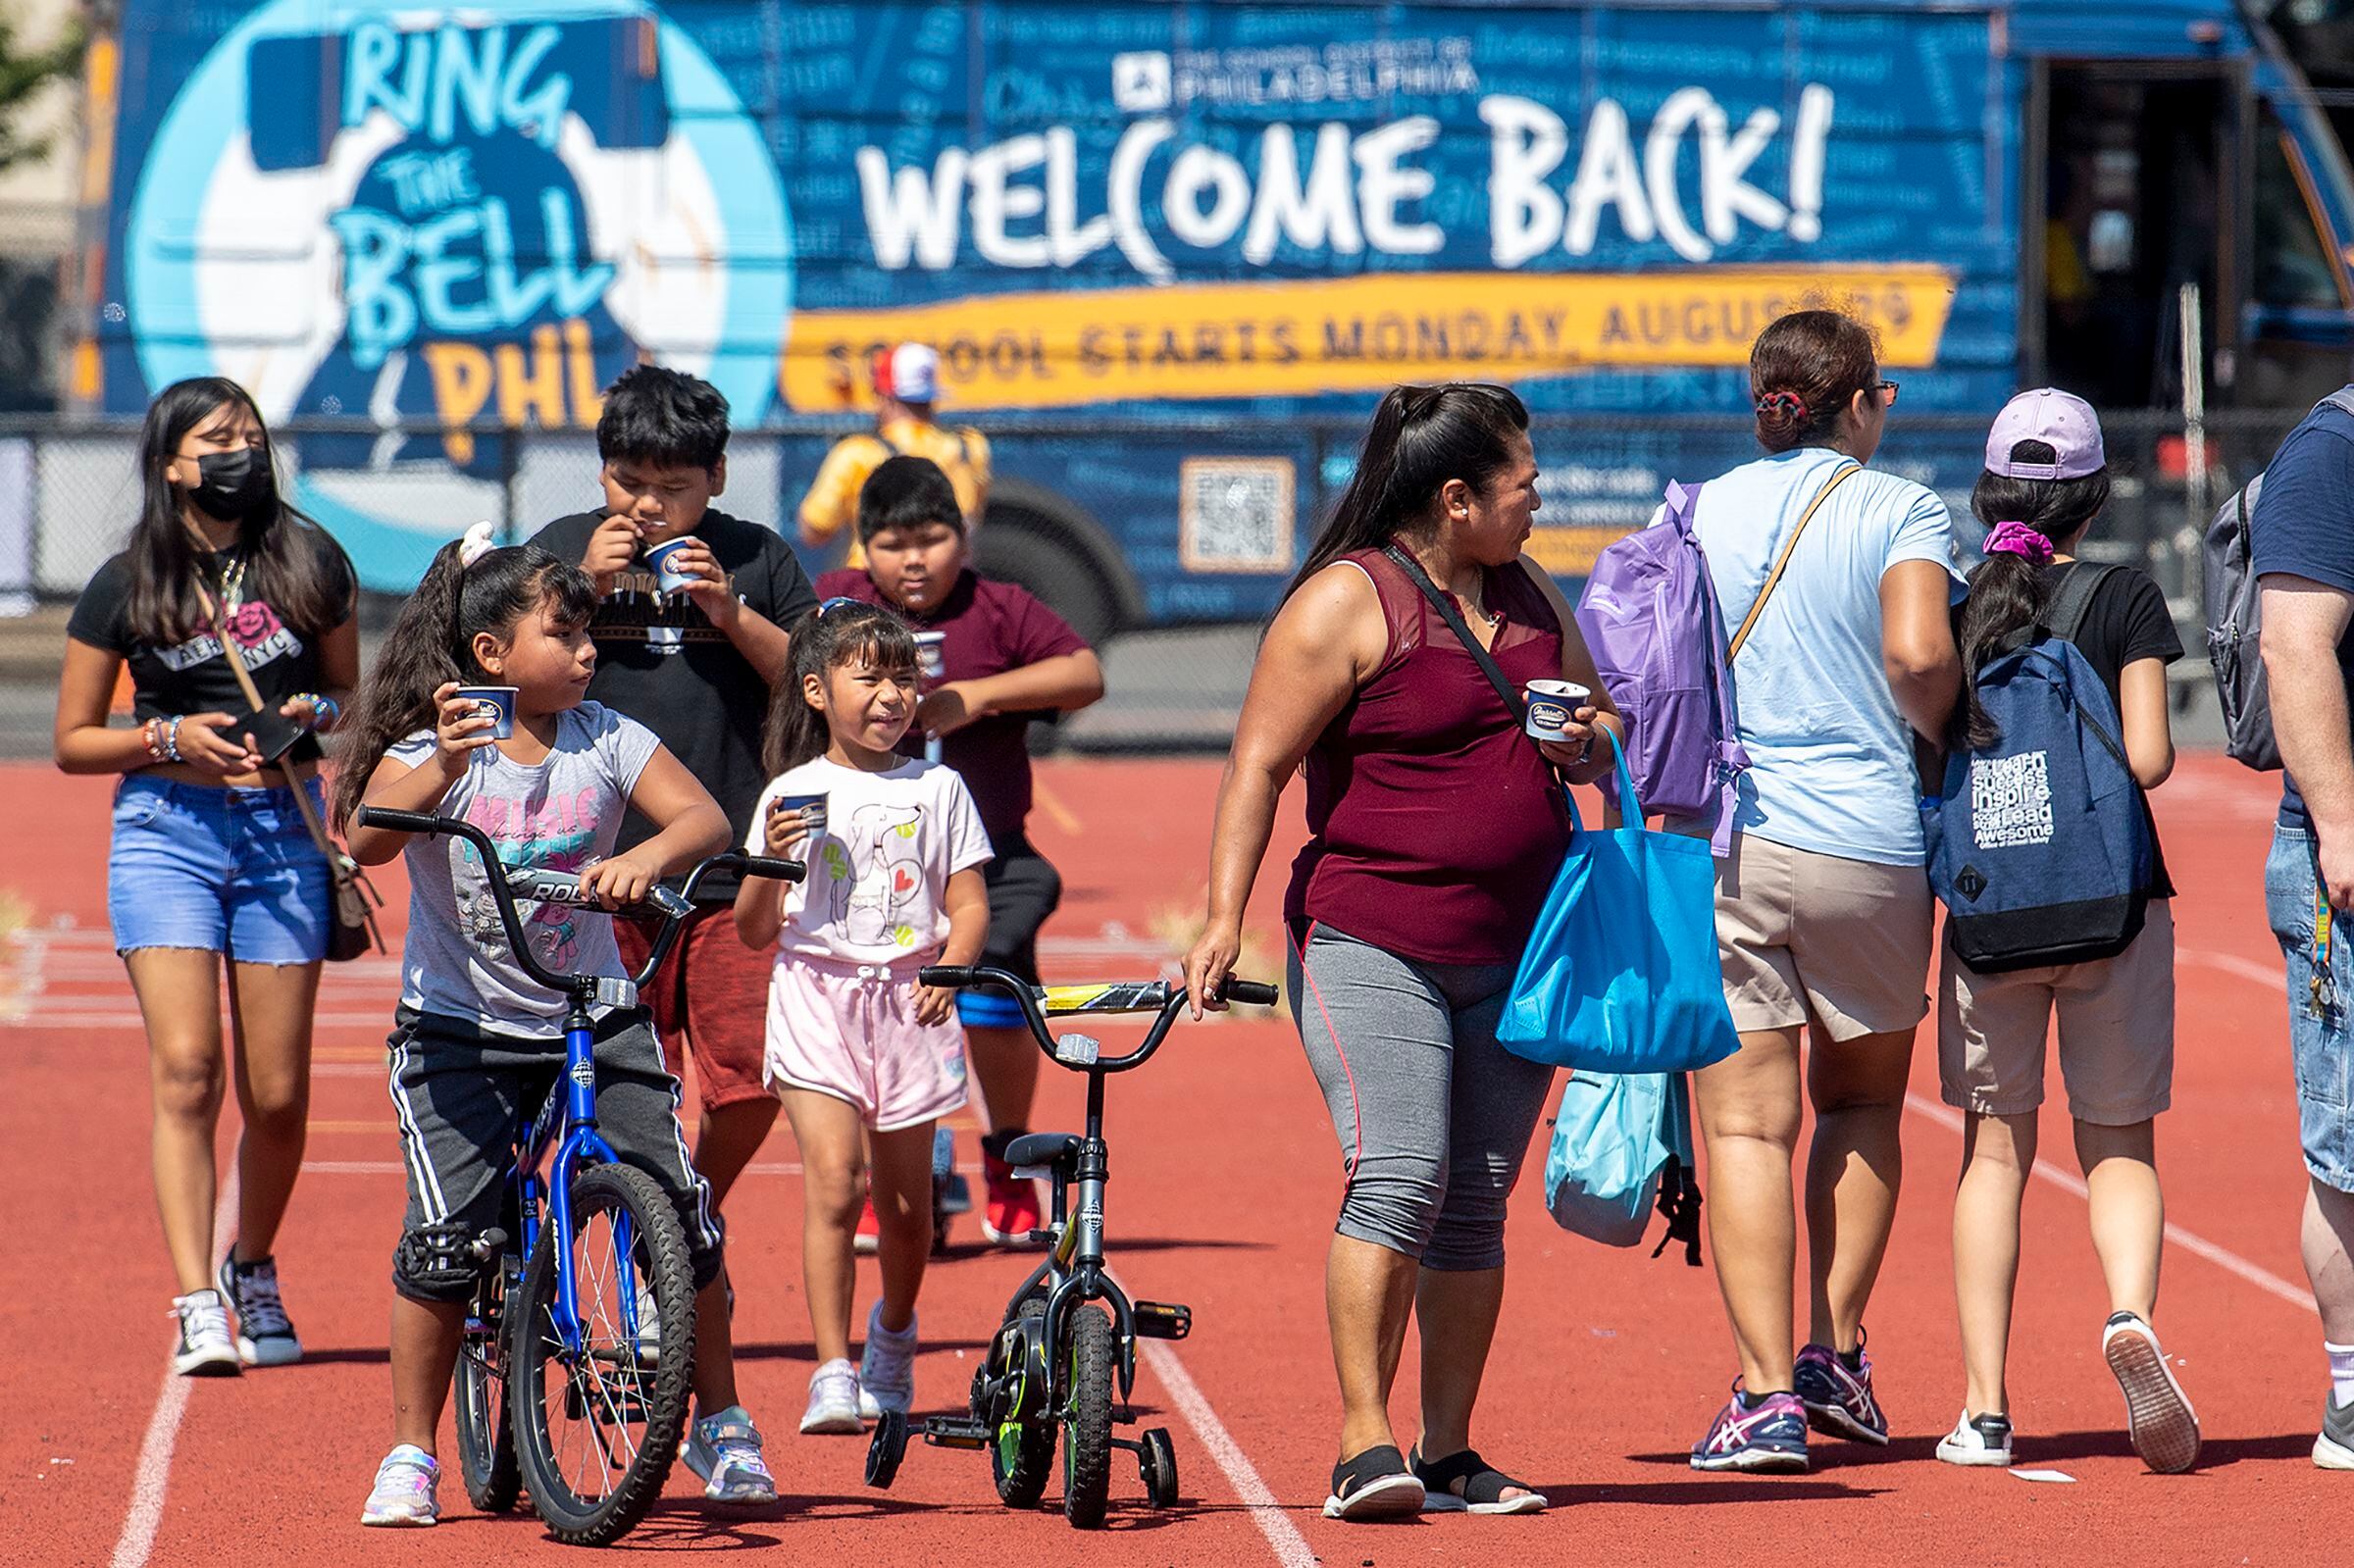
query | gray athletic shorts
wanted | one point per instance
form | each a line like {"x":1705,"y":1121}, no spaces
{"x":1434,"y":1115}
{"x":458,"y":1092}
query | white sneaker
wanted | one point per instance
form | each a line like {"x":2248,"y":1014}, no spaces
{"x":266,"y":1336}
{"x":832,"y":1400}
{"x":887,"y":1369}
{"x":403,"y":1495}
{"x":2157,"y":1414}
{"x":724,"y":1451}
{"x":1976,"y":1441}
{"x":205,"y":1349}
{"x":649,"y":1324}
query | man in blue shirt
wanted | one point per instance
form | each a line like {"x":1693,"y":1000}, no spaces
{"x":2302,"y":537}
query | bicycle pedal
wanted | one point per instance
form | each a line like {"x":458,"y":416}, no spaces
{"x":955,"y":1432}
{"x":1163,"y":1320}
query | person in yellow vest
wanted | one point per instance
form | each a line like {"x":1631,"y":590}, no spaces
{"x":907,"y":388}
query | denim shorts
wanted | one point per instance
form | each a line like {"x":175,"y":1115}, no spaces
{"x":224,"y":871}
{"x":2319,"y":1037}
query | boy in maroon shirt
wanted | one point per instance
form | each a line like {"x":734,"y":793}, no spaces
{"x":1005,"y":658}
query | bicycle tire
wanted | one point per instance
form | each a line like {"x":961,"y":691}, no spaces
{"x":660,"y":1251}
{"x":1021,"y":1455}
{"x":486,"y":1459}
{"x":1087,"y":1422}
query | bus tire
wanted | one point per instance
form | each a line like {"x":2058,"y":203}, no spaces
{"x":1035,"y":538}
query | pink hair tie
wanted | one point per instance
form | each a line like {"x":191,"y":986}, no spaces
{"x":2016,"y":538}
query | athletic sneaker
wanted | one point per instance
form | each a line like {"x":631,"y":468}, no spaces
{"x":1838,"y":1399}
{"x":1976,"y":1441}
{"x":1767,"y":1434}
{"x":867,"y":1240}
{"x":650,"y":1321}
{"x":265,"y":1334}
{"x":1012,"y":1211}
{"x":887,"y":1370}
{"x":205,"y":1350}
{"x":2164,"y":1428}
{"x":404,"y":1489}
{"x":833,"y":1401}
{"x":725,"y":1451}
{"x":2333,"y":1450}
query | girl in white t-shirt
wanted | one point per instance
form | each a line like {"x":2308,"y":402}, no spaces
{"x":864,"y":1056}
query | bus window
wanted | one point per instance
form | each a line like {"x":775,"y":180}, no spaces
{"x":2291,"y":264}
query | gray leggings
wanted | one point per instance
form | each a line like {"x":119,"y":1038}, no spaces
{"x":1434,"y":1115}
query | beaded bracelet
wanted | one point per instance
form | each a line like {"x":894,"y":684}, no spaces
{"x":325,"y":711}
{"x":162,"y":739}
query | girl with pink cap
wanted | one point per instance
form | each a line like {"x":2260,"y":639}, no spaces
{"x":2046,"y":481}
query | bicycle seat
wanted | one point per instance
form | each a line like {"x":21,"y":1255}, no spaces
{"x":1049,"y":1149}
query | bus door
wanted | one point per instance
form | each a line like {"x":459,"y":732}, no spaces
{"x":2127,"y":161}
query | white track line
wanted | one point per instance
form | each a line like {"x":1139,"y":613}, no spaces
{"x":153,"y":1477}
{"x":1289,"y":1547}
{"x":2191,"y":1241}
{"x":2270,"y":976}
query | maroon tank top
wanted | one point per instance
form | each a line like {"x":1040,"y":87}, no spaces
{"x":1436,"y":827}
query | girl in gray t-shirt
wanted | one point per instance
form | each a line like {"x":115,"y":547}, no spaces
{"x":476,"y":1040}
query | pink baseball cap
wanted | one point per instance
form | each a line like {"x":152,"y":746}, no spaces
{"x":2061,"y":421}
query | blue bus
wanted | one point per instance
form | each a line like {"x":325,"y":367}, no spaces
{"x":1170,"y":252}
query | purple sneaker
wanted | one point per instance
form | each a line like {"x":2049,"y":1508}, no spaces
{"x":1839,"y":1401}
{"x":1770,"y":1435}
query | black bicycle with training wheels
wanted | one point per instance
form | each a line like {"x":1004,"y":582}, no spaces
{"x":1063,"y":1361}
{"x":574,"y":1375}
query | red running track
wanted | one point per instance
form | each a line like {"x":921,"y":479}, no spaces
{"x":1225,"y":1179}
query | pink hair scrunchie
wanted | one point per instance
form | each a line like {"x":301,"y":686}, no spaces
{"x":2016,"y":538}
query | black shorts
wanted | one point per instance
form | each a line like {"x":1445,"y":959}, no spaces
{"x":1024,"y":888}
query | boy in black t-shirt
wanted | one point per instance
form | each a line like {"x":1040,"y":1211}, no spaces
{"x":693,"y":664}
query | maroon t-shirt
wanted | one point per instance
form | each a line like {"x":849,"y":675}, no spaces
{"x":991,"y":628}
{"x":1436,"y":826}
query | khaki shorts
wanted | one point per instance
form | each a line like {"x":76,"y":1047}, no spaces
{"x":1809,"y":939}
{"x":2116,"y":1031}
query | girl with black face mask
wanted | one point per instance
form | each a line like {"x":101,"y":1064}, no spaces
{"x":212,"y":866}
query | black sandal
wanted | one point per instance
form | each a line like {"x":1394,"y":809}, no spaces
{"x":1464,"y":1483}
{"x":1375,"y":1484}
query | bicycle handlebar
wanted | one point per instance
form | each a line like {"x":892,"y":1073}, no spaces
{"x":1037,"y":1002}
{"x":670,"y":908}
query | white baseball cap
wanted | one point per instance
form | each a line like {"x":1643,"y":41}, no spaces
{"x":910,"y":372}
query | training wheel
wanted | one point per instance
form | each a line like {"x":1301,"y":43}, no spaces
{"x":888,"y":1448}
{"x":1156,"y":1458}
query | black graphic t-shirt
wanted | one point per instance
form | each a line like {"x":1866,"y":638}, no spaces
{"x":661,"y":661}
{"x":194,"y":675}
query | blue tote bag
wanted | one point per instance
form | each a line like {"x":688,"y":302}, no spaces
{"x":1620,"y":975}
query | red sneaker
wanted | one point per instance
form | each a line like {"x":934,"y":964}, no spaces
{"x":869,"y":1237}
{"x":1012,"y":1211}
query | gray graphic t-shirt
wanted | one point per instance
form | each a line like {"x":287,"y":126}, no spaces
{"x":561,"y":815}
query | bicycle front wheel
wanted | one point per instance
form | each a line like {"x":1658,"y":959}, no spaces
{"x":479,"y":1396}
{"x":597,"y":1422}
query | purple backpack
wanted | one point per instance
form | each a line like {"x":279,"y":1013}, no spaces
{"x":1651,"y":622}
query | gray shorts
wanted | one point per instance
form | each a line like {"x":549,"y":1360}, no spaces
{"x":1434,"y":1115}
{"x":458,"y":1095}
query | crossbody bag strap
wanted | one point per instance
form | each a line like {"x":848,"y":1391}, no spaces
{"x":1443,"y":603}
{"x":1782,"y":562}
{"x":237,"y":667}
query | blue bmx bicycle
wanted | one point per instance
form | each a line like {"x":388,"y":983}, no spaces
{"x":574,"y":1375}
{"x":1063,"y":1361}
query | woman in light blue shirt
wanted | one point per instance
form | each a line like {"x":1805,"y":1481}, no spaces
{"x":1822,"y":908}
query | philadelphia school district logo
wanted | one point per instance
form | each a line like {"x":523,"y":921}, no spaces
{"x":466,"y":215}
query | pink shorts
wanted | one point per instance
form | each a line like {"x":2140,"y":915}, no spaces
{"x":850,"y":1031}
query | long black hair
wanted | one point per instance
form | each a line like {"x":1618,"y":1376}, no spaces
{"x":1420,"y":437}
{"x":432,"y":643}
{"x":289,"y":560}
{"x":838,"y":632}
{"x":2008,"y":591}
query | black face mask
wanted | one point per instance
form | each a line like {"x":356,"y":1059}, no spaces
{"x":233,"y":485}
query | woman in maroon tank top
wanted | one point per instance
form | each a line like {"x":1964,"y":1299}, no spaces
{"x":1437,"y":829}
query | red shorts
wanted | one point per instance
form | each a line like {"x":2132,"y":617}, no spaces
{"x":713,"y":991}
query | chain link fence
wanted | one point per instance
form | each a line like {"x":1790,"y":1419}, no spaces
{"x":1178,"y":655}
